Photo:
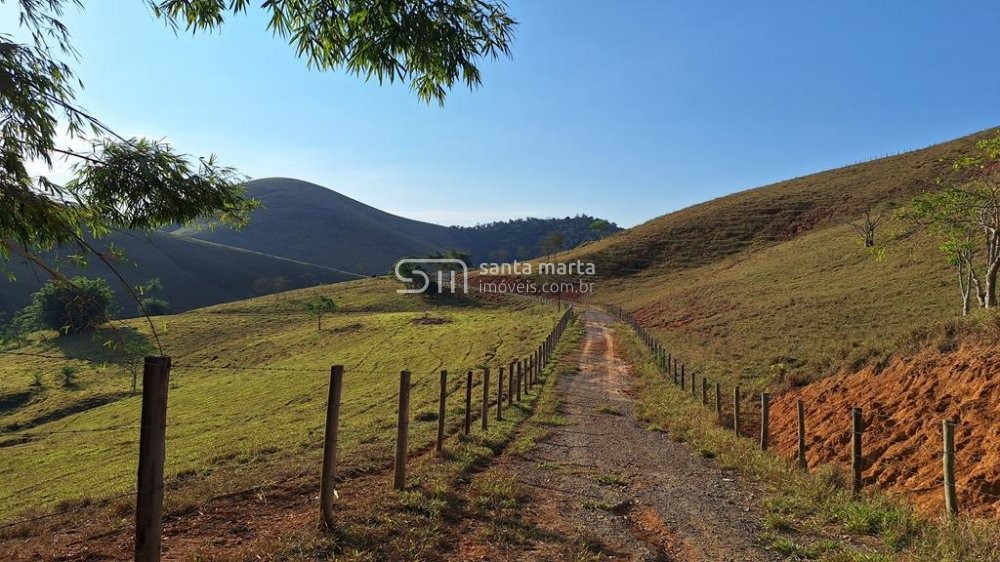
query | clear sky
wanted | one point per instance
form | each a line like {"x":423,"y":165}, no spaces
{"x":626,"y":109}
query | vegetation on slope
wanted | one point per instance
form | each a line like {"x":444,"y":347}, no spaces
{"x":248,"y":387}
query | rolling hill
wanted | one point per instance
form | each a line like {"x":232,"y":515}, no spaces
{"x":772,"y":284}
{"x":193,"y":272}
{"x":308,"y":222}
{"x":304,"y":235}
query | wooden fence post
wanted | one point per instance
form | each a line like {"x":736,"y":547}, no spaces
{"x":950,"y":497}
{"x":857,"y":459}
{"x":683,"y":387}
{"x":442,"y":399}
{"x":152,"y":454}
{"x":510,"y":384}
{"x":718,"y":401}
{"x":736,"y":410}
{"x":765,"y":426}
{"x":704,"y":391}
{"x":402,"y":431}
{"x":800,"y":406}
{"x":518,"y":381}
{"x":485,"y":417}
{"x":327,"y":487}
{"x":468,"y":402}
{"x":500,"y":396}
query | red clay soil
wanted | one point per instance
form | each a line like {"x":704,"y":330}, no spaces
{"x":904,"y":406}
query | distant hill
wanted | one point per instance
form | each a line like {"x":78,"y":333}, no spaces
{"x":308,"y":222}
{"x":194,"y":273}
{"x":304,"y":235}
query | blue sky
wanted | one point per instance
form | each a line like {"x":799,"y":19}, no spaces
{"x":625,"y":110}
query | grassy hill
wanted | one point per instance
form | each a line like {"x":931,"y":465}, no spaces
{"x":194,"y":273}
{"x":308,"y":222}
{"x":771,"y":284}
{"x":305,"y":235}
{"x":248,"y":389}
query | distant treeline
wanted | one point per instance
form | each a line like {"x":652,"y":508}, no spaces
{"x":520,"y":239}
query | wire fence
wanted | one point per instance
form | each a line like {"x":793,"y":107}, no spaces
{"x":864,"y":437}
{"x":271,"y":438}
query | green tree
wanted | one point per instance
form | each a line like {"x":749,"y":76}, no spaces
{"x":152,"y":306}
{"x":600,"y":226}
{"x":318,"y":307}
{"x":964,"y":215}
{"x":136,"y":183}
{"x":72,"y":305}
{"x":551,"y":243}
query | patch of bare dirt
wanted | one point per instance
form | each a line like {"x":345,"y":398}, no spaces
{"x":904,"y":406}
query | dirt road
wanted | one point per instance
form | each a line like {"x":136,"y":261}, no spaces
{"x":627,"y":492}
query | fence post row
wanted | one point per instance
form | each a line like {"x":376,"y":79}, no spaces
{"x":327,"y":487}
{"x":668,"y":364}
{"x":152,"y":453}
{"x":402,"y":431}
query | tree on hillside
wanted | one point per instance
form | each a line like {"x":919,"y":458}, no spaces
{"x":866,"y":229}
{"x":551,"y":243}
{"x":599,"y":226}
{"x":964,"y":215}
{"x":71,"y":306}
{"x":318,"y":307}
{"x":136,"y":183}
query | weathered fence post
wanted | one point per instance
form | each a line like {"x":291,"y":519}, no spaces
{"x":800,"y":406}
{"x":152,"y":454}
{"x":519,"y":374}
{"x":402,"y":431}
{"x":704,"y":391}
{"x":500,"y":396}
{"x":736,"y":410}
{"x":950,"y":498}
{"x":857,"y":460}
{"x":683,"y":387}
{"x":485,"y":417}
{"x":718,"y":401}
{"x":468,"y":402}
{"x":510,"y":384}
{"x":442,"y":399}
{"x":327,"y":486}
{"x":765,"y":406}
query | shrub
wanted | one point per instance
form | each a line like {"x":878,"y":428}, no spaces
{"x":154,"y":306}
{"x":71,"y":306}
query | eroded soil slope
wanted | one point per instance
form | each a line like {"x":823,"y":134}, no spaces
{"x":904,"y":406}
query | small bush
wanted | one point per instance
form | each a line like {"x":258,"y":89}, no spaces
{"x":154,"y":306}
{"x":68,"y":375}
{"x":71,"y":306}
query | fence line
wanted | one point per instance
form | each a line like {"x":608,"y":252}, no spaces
{"x":154,"y":421}
{"x":854,"y":420}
